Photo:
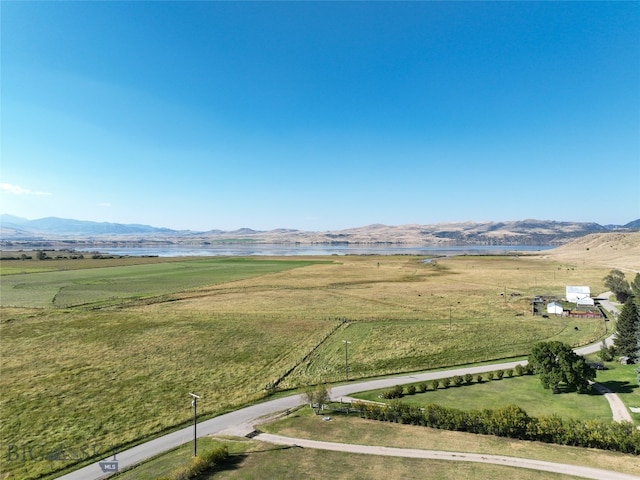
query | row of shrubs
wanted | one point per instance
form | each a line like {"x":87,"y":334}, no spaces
{"x":199,"y":464}
{"x":513,"y":422}
{"x":457,"y":380}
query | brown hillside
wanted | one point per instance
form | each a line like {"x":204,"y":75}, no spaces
{"x":613,"y":250}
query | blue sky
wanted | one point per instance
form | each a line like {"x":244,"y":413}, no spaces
{"x":320,"y":116}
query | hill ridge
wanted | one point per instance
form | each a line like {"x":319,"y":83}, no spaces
{"x":513,"y":232}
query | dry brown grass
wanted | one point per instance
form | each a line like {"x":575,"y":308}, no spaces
{"x":609,"y":250}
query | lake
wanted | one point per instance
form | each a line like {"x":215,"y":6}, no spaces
{"x":242,"y":250}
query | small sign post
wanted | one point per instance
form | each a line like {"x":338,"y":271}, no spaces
{"x":194,"y":404}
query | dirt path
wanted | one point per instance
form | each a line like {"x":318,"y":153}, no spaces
{"x":618,"y":409}
{"x":575,"y":470}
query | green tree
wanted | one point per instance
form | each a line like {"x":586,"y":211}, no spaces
{"x":635,"y":288}
{"x":628,"y":330}
{"x":606,"y":353}
{"x":616,"y":282}
{"x":317,"y":396}
{"x":557,"y":363}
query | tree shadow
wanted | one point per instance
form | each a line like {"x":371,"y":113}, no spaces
{"x":235,"y":460}
{"x":564,"y":388}
{"x":617,"y":386}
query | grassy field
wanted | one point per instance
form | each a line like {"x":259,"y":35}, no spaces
{"x":107,"y":353}
{"x":104,"y":285}
{"x":525,"y":391}
{"x":350,"y":429}
{"x":250,"y":459}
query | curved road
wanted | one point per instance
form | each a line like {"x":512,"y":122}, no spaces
{"x":241,"y":421}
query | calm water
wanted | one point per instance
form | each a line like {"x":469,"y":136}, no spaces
{"x":241,"y":250}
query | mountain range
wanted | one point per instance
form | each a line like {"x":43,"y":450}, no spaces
{"x":23,"y":232}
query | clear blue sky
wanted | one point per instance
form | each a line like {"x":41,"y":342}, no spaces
{"x":320,"y":116}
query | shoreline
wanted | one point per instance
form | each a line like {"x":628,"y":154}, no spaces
{"x":276,"y":249}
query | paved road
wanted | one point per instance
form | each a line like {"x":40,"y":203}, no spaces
{"x":574,"y":470}
{"x":241,"y":421}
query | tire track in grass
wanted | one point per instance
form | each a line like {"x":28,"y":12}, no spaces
{"x":308,"y":355}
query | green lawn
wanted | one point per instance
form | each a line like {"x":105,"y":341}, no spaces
{"x":525,"y":391}
{"x":622,"y":379}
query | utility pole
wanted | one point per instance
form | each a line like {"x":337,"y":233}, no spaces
{"x":346,"y":358}
{"x":194,"y":404}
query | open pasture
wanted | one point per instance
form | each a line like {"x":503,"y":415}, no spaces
{"x":12,"y":262}
{"x":385,"y":347}
{"x":116,"y":370}
{"x":68,"y":287}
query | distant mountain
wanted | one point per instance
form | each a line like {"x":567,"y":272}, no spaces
{"x":48,"y":231}
{"x":635,"y":225}
{"x":63,"y":226}
{"x":525,"y":232}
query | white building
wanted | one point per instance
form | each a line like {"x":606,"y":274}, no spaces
{"x":554,"y":308}
{"x":576,"y":294}
{"x":585,"y":302}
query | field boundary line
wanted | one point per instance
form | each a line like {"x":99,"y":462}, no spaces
{"x":306,"y":357}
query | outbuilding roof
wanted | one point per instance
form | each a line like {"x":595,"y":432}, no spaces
{"x":575,"y":293}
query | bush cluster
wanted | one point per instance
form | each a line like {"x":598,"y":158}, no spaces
{"x":513,"y":422}
{"x":199,"y":464}
{"x":457,"y":380}
{"x":395,"y":392}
